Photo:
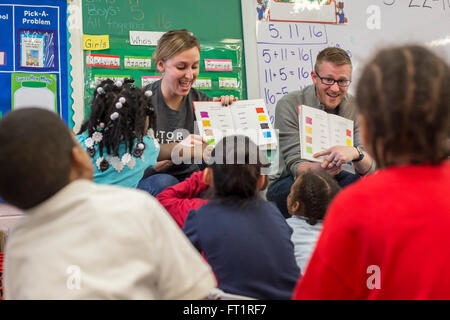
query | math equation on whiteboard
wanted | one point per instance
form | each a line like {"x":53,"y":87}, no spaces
{"x":427,"y":4}
{"x":286,"y":57}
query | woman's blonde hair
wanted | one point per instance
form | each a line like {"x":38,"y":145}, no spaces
{"x":174,"y":42}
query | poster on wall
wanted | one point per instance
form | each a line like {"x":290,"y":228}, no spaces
{"x":33,"y":55}
{"x":37,"y":90}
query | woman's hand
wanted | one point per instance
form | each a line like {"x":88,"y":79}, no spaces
{"x":162,"y":166}
{"x":226,"y":100}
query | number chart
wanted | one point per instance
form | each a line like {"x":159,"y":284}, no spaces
{"x":286,"y":56}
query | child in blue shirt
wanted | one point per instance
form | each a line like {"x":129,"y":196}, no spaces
{"x":307,"y":202}
{"x":115,"y":133}
{"x":245,"y":239}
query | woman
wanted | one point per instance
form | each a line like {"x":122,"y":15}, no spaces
{"x":177,"y":57}
{"x":386,"y":236}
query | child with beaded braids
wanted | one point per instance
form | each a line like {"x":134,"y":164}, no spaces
{"x":115,"y":133}
{"x":308,"y":202}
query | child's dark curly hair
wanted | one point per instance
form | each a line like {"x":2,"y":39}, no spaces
{"x":119,"y":111}
{"x":313,"y":190}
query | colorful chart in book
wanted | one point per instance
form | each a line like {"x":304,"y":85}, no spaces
{"x":246,"y":117}
{"x":320,"y":131}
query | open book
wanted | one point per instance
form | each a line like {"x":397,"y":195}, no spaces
{"x":320,"y":130}
{"x":245,"y":117}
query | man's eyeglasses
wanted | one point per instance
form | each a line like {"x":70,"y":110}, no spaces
{"x":330,"y":81}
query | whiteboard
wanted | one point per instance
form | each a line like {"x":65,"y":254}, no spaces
{"x":280,"y":55}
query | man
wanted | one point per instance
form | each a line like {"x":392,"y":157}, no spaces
{"x":81,"y":240}
{"x":331,"y":77}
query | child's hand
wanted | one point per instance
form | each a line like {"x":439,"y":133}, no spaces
{"x":226,"y":100}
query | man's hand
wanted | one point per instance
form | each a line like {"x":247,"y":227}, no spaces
{"x":304,"y":166}
{"x":337,"y":156}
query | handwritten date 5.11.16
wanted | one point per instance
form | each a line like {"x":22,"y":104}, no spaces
{"x":427,"y":4}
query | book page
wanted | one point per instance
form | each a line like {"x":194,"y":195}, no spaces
{"x":314,"y":132}
{"x":250,"y":118}
{"x":245,"y":117}
{"x":341,"y":131}
{"x":214,"y":121}
{"x":341,"y":134}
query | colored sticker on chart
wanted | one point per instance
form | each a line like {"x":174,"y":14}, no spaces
{"x":209,"y":132}
{"x":211,"y":141}
{"x":204,"y":114}
{"x":308,"y":139}
{"x":349,"y":142}
{"x":349,"y":133}
{"x":308,"y":129}
{"x":262,"y":118}
{"x":267,"y":134}
{"x":102,"y":61}
{"x":259,"y":110}
{"x":206,"y":123}
{"x":309,"y":150}
{"x":308,"y":120}
{"x":264,"y":125}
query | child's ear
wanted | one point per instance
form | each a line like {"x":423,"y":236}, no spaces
{"x":295,"y":207}
{"x":262,"y":182}
{"x":81,"y":164}
{"x":207,"y":176}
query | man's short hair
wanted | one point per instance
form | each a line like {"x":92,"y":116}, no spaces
{"x":334,"y":55}
{"x":35,"y":158}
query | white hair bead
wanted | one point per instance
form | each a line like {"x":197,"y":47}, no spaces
{"x":114,"y":115}
{"x":148,"y":93}
{"x":118,"y":83}
{"x":122,"y":100}
{"x":119,"y":105}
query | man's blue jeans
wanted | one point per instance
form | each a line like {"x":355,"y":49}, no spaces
{"x":280,"y":189}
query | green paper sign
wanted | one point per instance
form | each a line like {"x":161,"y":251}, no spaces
{"x":34,"y":90}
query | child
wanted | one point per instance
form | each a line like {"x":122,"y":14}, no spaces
{"x":115,"y":133}
{"x":82,"y":240}
{"x":245,"y":239}
{"x":181,"y":198}
{"x":308,"y":201}
{"x":386,"y":236}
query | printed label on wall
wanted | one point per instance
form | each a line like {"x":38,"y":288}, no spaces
{"x":102,"y":61}
{"x":218,"y":65}
{"x":95,"y":42}
{"x":144,"y":63}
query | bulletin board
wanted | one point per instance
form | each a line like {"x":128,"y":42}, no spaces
{"x":33,"y":55}
{"x":217,"y":26}
{"x":280,"y":55}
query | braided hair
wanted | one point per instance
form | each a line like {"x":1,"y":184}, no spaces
{"x":403,"y":95}
{"x":118,"y":114}
{"x":314,"y":190}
